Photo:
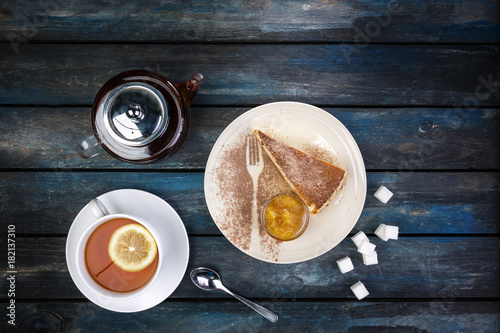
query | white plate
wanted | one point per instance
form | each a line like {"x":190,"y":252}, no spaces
{"x":302,"y":126}
{"x":171,"y":229}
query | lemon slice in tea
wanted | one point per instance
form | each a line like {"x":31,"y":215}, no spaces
{"x":132,"y":248}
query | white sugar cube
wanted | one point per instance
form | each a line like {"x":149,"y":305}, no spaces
{"x":359,"y":290}
{"x":370,"y":260}
{"x":366,"y":248}
{"x":383,"y":194}
{"x":359,"y":238}
{"x":391,"y":231}
{"x":381,"y":232}
{"x":345,"y":265}
{"x":386,"y":232}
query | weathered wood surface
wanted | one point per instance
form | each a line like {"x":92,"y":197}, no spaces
{"x":411,"y":267}
{"x":441,"y":314}
{"x":45,"y":203}
{"x":430,"y":21}
{"x":383,"y":69}
{"x":389,"y":139}
{"x":240,"y":74}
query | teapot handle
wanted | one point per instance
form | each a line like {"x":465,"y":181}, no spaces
{"x":188,"y":89}
{"x":89,"y":147}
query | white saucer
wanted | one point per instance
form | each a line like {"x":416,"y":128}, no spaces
{"x":174,"y":237}
{"x":297,"y":124}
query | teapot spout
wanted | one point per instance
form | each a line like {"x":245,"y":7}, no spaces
{"x":188,"y":89}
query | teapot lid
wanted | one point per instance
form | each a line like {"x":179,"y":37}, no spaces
{"x":134,"y":114}
{"x":139,"y":116}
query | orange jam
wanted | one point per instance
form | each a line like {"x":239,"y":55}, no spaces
{"x":285,"y":217}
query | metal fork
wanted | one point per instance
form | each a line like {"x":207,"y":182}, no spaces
{"x":255,"y":165}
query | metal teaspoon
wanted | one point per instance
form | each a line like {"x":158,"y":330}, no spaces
{"x":208,"y":279}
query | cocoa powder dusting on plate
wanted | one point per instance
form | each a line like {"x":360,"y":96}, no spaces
{"x":234,"y":193}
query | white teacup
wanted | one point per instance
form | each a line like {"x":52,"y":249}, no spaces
{"x":80,"y":255}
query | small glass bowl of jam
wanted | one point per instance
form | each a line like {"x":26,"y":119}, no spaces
{"x":285,"y":217}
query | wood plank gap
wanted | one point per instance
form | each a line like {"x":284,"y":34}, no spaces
{"x":342,"y":106}
{"x":283,"y":300}
{"x":471,"y":170}
{"x":72,"y":170}
{"x":263,"y":42}
{"x":196,"y":170}
{"x":59,"y":106}
{"x":449,"y":235}
{"x":237,"y":106}
{"x":401,"y":235}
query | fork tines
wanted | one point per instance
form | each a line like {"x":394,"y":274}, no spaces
{"x":253,"y":150}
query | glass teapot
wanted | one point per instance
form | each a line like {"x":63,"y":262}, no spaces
{"x":139,"y":116}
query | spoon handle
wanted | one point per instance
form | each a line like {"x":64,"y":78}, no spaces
{"x":266,"y":313}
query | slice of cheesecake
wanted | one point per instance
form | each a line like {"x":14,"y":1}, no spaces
{"x":314,"y":180}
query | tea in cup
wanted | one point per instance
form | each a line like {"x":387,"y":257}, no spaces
{"x":119,"y":256}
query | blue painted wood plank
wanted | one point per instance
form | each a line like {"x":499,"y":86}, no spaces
{"x":383,"y":75}
{"x":46,"y":203}
{"x":360,"y":21}
{"x":395,"y":138}
{"x":435,"y":316}
{"x":409,"y":268}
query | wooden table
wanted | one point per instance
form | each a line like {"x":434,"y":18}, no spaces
{"x":415,"y":82}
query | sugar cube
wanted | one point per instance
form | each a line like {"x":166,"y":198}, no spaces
{"x":386,"y":232}
{"x":359,"y":238}
{"x":391,"y":231}
{"x":345,"y":265}
{"x":381,"y":232}
{"x":383,"y":194}
{"x":366,"y":248}
{"x":359,"y":290}
{"x":370,"y":259}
